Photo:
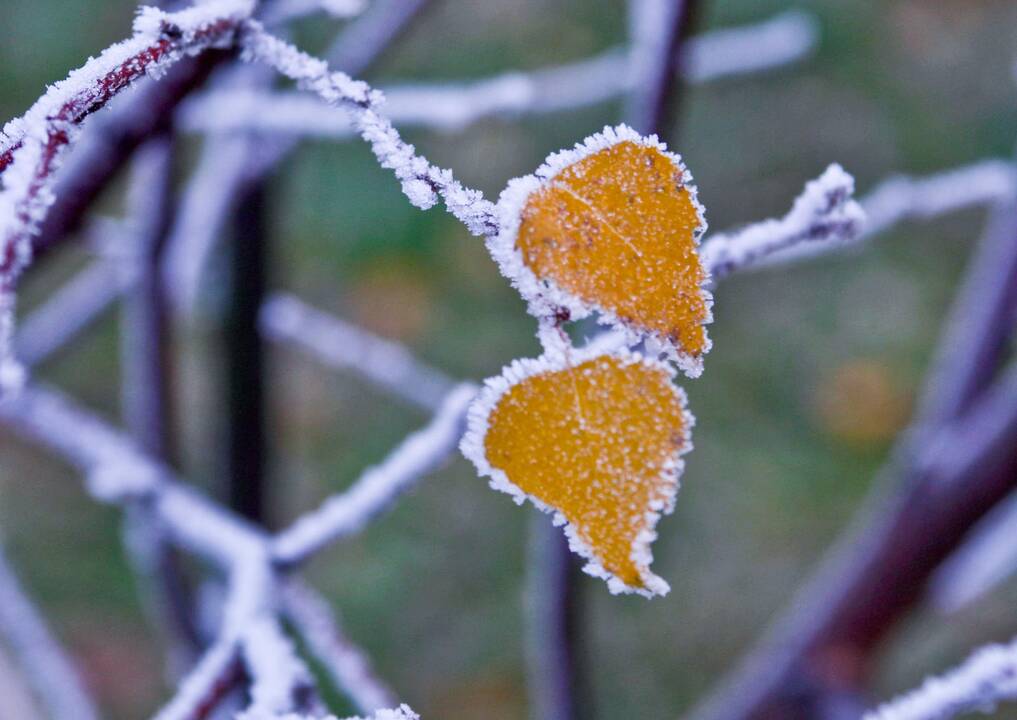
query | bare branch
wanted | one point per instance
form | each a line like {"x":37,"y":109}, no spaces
{"x":552,"y":654}
{"x":379,"y":487}
{"x":657,"y":29}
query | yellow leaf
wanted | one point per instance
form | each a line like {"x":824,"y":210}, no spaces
{"x":612,"y":227}
{"x":596,"y":440}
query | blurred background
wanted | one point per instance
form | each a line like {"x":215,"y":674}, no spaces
{"x":813,"y":371}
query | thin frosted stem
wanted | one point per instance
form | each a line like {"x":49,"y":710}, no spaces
{"x":379,"y":487}
{"x":824,"y":214}
{"x":978,"y":685}
{"x":347,"y":665}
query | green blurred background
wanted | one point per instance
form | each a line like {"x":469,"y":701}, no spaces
{"x":813,"y":371}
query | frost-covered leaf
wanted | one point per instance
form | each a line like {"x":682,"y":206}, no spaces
{"x":613,"y":227}
{"x":596,"y":439}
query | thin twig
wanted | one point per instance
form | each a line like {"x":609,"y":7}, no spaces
{"x":825,"y":214}
{"x":379,"y":487}
{"x":47,"y":667}
{"x":977,"y":685}
{"x":70,"y":311}
{"x":235,"y":163}
{"x":347,"y":665}
{"x":286,"y":319}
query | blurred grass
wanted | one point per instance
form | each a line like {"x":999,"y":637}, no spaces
{"x":813,"y":367}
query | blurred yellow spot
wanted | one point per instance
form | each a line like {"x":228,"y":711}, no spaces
{"x":393,"y":298}
{"x":595,"y":442}
{"x":859,"y":402}
{"x":616,"y":229}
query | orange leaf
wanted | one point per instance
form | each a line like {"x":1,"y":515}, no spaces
{"x":598,"y":443}
{"x":613,"y":227}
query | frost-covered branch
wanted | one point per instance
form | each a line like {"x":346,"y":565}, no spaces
{"x":982,"y":681}
{"x":118,"y":472}
{"x":824,"y":213}
{"x":986,"y":559}
{"x":422,"y":182}
{"x":346,"y":664}
{"x":403,"y":712}
{"x":69,"y":311}
{"x":46,"y":666}
{"x":280,"y":682}
{"x":14,"y":689}
{"x":782,"y":40}
{"x":980,"y":325}
{"x":343,"y":346}
{"x":74,"y":308}
{"x":231,"y":163}
{"x":250,"y":635}
{"x":378,"y":488}
{"x":32,"y":146}
{"x":900,"y":198}
{"x":453,"y":105}
{"x":206,"y":684}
